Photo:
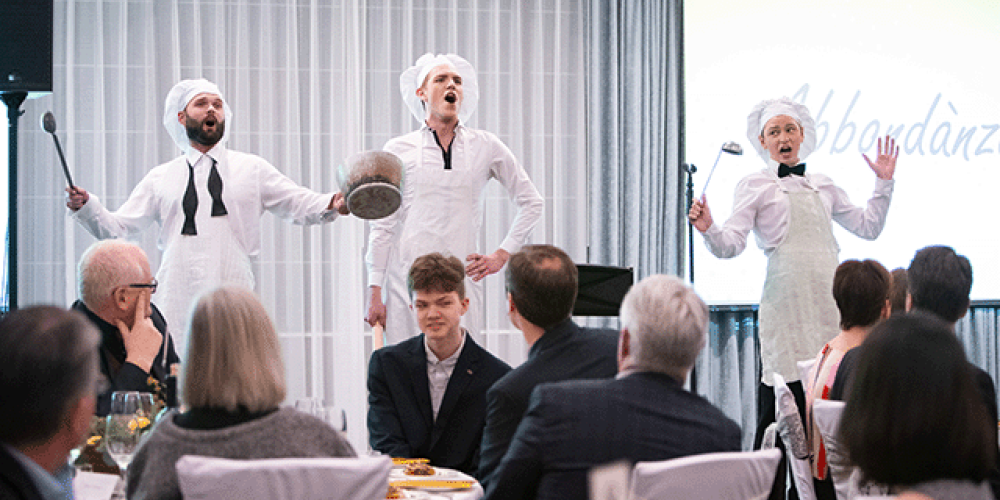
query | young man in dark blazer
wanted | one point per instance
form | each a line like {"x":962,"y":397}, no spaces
{"x":427,"y":394}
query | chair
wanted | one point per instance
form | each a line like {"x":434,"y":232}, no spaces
{"x":845,"y":476}
{"x":284,"y":478}
{"x":804,"y":367}
{"x":727,"y":475}
{"x":827,"y":416}
{"x":793,"y":435}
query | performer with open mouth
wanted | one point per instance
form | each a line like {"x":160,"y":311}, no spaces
{"x":790,"y":213}
{"x":447,"y":165}
{"x":208,"y":202}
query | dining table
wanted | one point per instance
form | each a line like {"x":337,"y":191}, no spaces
{"x":443,"y":484}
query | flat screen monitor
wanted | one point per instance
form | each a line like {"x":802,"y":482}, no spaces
{"x":602,"y":289}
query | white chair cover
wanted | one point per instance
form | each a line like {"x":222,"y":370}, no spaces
{"x":786,"y":413}
{"x":827,"y":416}
{"x":804,"y":367}
{"x":729,"y":475}
{"x":284,"y":478}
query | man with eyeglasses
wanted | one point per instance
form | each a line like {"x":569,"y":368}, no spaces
{"x":115,"y":286}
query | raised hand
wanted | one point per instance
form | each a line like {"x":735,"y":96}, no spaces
{"x":76,"y":197}
{"x":699,"y":215}
{"x":884,"y":165}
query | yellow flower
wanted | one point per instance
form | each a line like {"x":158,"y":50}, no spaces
{"x":138,"y":423}
{"x":93,"y":440}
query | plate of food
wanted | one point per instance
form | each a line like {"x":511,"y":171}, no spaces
{"x":430,"y":478}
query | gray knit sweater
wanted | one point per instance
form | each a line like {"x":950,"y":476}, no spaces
{"x":284,"y":433}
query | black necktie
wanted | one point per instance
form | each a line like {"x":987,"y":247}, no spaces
{"x":215,"y":189}
{"x":785,"y":170}
{"x":190,"y":204}
{"x":190,"y":201}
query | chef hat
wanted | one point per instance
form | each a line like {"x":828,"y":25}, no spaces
{"x":413,"y":78}
{"x":178,"y":99}
{"x":769,"y":108}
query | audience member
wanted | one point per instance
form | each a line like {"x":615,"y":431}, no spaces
{"x":644,"y":414}
{"x":115,"y":286}
{"x":427,"y":394}
{"x":48,"y":374}
{"x":233,"y":383}
{"x":897,"y":291}
{"x":541,"y":291}
{"x":913,"y":419}
{"x":861,"y":290}
{"x":939,"y":282}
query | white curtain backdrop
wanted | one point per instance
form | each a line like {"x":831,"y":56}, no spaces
{"x":309,"y":82}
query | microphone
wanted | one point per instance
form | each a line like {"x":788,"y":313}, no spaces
{"x":730,"y":147}
{"x":49,"y":125}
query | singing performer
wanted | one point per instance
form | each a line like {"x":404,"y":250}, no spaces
{"x":790,"y":213}
{"x":447,"y":166}
{"x":208,"y":202}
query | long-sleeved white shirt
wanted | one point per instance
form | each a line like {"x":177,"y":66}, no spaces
{"x":761,"y":205}
{"x":251,"y":185}
{"x":442,"y":209}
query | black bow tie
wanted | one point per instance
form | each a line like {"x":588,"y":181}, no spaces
{"x":190,"y":201}
{"x":785,"y":170}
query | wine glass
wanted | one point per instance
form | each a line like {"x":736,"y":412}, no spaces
{"x":131,"y":415}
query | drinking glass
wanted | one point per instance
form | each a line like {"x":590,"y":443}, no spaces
{"x":131,"y":415}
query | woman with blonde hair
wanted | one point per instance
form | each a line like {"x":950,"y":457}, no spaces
{"x":233,"y":385}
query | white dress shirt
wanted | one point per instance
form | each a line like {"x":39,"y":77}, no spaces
{"x":439,"y":373}
{"x":761,"y":205}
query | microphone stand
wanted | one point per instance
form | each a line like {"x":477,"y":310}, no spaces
{"x":13,"y":100}
{"x":691,"y":169}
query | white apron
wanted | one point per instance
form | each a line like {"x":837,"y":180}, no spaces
{"x":797,"y":311}
{"x":191,"y":265}
{"x":441,"y":218}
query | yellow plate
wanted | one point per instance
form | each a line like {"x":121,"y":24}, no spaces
{"x":442,"y":484}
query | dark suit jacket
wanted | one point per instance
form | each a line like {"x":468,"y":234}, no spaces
{"x":124,"y":376}
{"x":15,"y":484}
{"x":400,"y":418}
{"x":573,"y":426}
{"x":565,"y":352}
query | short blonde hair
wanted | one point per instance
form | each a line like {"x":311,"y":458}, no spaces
{"x":667,"y":323}
{"x":233,"y":358}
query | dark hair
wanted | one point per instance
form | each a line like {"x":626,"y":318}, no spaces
{"x":48,"y":361}
{"x":914,"y":412}
{"x":860,"y":289}
{"x":436,"y":273}
{"x":542,"y":283}
{"x":939,"y":282}
{"x":897,"y":291}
